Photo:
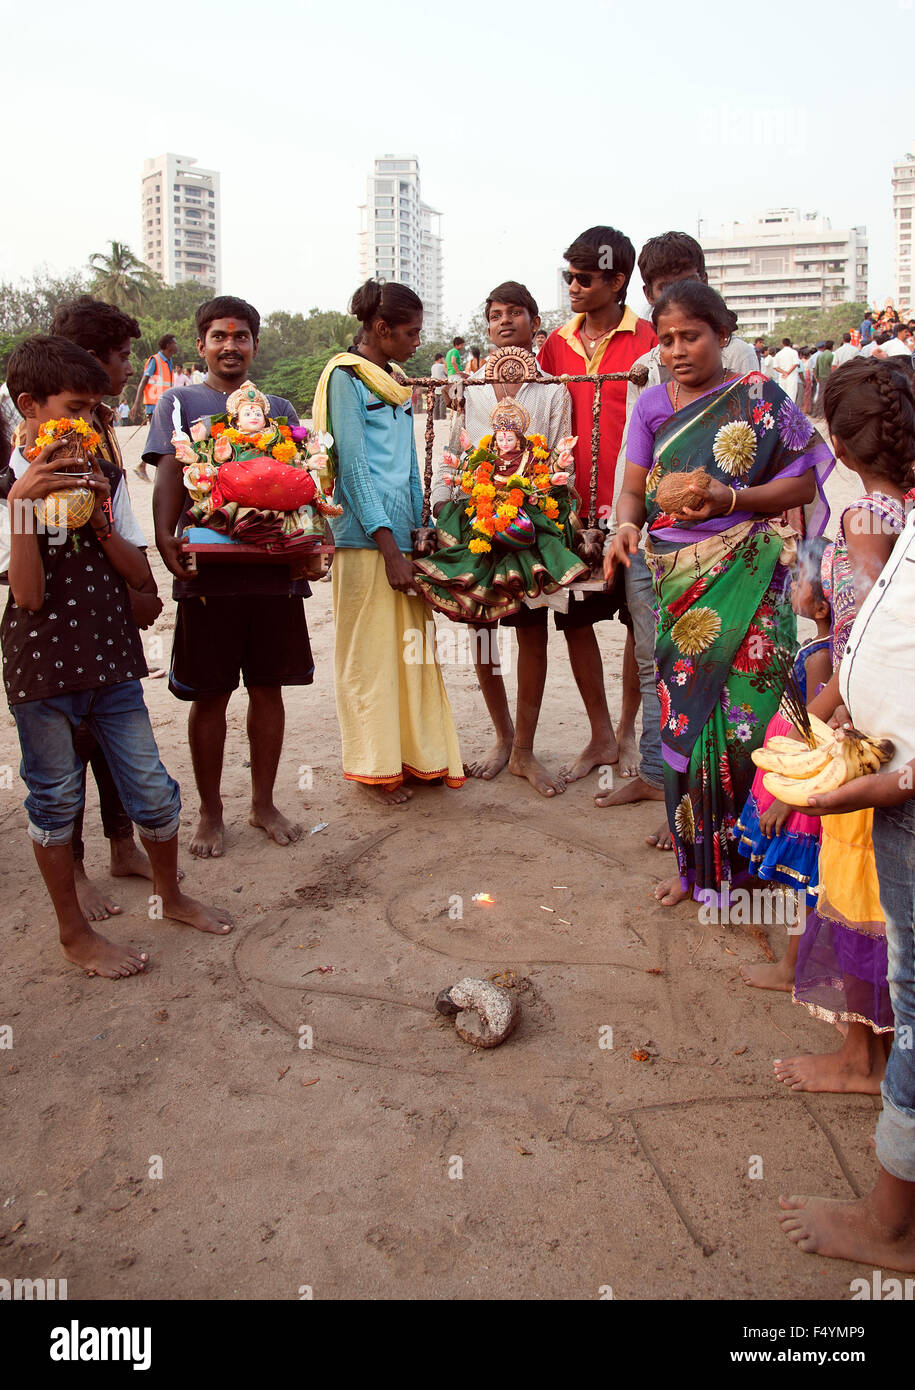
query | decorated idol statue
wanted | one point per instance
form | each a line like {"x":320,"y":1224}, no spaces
{"x":248,"y":474}
{"x":508,"y":531}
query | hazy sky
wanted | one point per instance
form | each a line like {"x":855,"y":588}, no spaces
{"x":531,"y":121}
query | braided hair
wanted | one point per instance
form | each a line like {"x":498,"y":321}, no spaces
{"x":870,"y":407}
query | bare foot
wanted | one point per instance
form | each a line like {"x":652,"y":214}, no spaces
{"x":629,"y":753}
{"x":661,"y":838}
{"x":669,"y":893}
{"x":633,"y":790}
{"x":767,"y":976}
{"x":596,"y":754}
{"x":522,"y":763}
{"x":388,"y":796}
{"x":836,"y":1072}
{"x":847,"y":1231}
{"x":96,"y":906}
{"x":491,"y":763}
{"x":141,"y":472}
{"x":98,"y":956}
{"x":278,"y":828}
{"x":128,"y":860}
{"x":196,"y":914}
{"x":209,"y":838}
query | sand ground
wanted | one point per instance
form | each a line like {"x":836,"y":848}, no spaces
{"x":389,"y":1159}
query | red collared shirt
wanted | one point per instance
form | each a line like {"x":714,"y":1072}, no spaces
{"x":564,"y":351}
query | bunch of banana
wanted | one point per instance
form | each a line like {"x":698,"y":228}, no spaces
{"x":794,"y":771}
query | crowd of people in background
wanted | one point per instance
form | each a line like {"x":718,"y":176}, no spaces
{"x":803,"y":371}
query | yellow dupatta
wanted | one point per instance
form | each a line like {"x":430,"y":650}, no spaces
{"x":379,"y":381}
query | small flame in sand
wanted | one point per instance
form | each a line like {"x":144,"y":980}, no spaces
{"x":482,"y":898}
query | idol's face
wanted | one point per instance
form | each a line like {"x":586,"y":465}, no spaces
{"x":251,"y":418}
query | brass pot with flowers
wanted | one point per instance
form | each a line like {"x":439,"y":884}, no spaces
{"x":72,"y":442}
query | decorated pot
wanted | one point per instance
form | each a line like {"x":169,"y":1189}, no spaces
{"x":67,"y":510}
{"x":518,"y":535}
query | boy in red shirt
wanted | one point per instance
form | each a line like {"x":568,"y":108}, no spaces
{"x":603,"y":335}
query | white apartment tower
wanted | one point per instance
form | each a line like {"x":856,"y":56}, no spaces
{"x":780,"y":262}
{"x":400,"y":236}
{"x":903,"y":204}
{"x":180,"y":221}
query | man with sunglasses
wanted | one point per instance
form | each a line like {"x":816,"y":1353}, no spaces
{"x":603,"y":335}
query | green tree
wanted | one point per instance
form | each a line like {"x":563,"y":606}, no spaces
{"x":120,"y":278}
{"x":30,"y":305}
{"x":152,"y":329}
{"x":809,"y":326}
{"x":296,"y":378}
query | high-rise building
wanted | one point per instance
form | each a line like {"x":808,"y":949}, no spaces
{"x":400,"y":236}
{"x":179,"y":208}
{"x":781,"y":262}
{"x":903,"y":203}
{"x":563,"y":303}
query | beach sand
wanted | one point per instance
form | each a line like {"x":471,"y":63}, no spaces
{"x":172,"y":1136}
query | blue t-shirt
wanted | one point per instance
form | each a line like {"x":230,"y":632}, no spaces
{"x":201,"y":403}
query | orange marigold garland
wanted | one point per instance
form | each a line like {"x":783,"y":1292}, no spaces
{"x":52,"y":430}
{"x":493,"y":506}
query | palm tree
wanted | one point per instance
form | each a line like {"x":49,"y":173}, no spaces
{"x":120,"y":278}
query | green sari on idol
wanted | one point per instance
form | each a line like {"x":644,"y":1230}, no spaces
{"x":532,"y":556}
{"x":722,"y":590}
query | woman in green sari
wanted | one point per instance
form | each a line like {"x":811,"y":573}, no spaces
{"x":721,"y":568}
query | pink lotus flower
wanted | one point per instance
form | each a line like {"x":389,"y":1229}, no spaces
{"x":559,"y":479}
{"x":566,"y":459}
{"x":299,"y":433}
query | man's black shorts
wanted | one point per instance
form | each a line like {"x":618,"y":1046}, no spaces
{"x":584,"y":611}
{"x":263,"y":639}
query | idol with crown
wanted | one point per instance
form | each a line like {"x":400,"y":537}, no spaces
{"x":248,"y":475}
{"x":509,"y":530}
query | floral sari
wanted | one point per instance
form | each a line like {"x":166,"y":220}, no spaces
{"x":723,"y":607}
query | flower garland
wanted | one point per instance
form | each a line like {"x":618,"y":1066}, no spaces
{"x":493,"y":506}
{"x":52,"y":430}
{"x":285,"y":451}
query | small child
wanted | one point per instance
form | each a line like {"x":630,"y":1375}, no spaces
{"x":782,"y":844}
{"x":72,"y":653}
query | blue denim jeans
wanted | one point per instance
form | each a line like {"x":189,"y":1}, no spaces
{"x":53,"y":770}
{"x":640,"y":598}
{"x":894,"y":850}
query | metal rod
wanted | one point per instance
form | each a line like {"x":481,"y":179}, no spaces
{"x":430,"y":435}
{"x":595,"y":450}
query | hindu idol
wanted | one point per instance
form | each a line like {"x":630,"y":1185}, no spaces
{"x":248,"y":474}
{"x":509,"y":531}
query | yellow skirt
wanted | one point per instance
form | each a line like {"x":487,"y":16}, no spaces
{"x":849,"y":888}
{"x":394,"y":714}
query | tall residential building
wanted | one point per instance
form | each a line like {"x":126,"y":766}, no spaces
{"x":400,"y":236}
{"x":563,"y":303}
{"x":781,"y":262}
{"x":180,"y":221}
{"x":903,"y":203}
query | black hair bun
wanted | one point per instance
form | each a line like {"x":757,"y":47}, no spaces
{"x":366,"y":301}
